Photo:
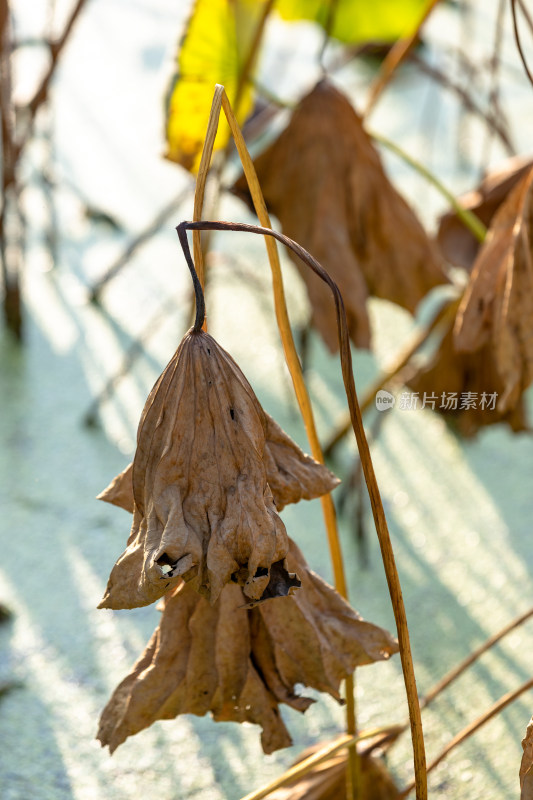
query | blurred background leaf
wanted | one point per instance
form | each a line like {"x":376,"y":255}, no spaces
{"x":215,"y":49}
{"x":380,"y":21}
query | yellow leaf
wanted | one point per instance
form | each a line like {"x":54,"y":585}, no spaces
{"x":214,"y":50}
{"x":355,"y":21}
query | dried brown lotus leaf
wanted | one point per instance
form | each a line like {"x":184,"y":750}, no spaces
{"x":458,"y":244}
{"x":239,"y":664}
{"x":324,"y":181}
{"x":451,"y":372}
{"x":291,"y":474}
{"x":497,"y":307}
{"x":526,"y":767}
{"x":203,"y":508}
{"x":316,"y":637}
{"x":265,"y":660}
{"x":120,"y":491}
{"x":327,"y":781}
{"x":196,"y":661}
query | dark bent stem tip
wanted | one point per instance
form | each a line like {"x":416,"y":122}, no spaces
{"x":198,"y":291}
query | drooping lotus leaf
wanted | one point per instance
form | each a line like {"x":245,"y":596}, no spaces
{"x":291,"y":474}
{"x":239,"y":663}
{"x":203,"y":509}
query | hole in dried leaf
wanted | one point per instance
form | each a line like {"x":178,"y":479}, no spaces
{"x":232,"y":413}
{"x":261,"y":572}
{"x":164,"y":560}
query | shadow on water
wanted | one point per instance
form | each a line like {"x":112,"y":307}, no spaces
{"x":31,"y":762}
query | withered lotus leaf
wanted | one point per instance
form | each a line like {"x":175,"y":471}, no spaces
{"x":291,"y":474}
{"x":240,"y":663}
{"x":450,"y":375}
{"x":327,"y":781}
{"x":203,"y":510}
{"x":497,"y":307}
{"x":120,"y":491}
{"x":458,"y":244}
{"x":324,"y":181}
{"x":526,"y":767}
{"x":198,"y":660}
{"x":316,"y":636}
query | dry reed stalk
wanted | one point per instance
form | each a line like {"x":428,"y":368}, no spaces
{"x":454,"y":673}
{"x":201,"y":180}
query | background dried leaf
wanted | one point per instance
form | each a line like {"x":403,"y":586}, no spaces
{"x":457,"y":243}
{"x":324,"y":181}
{"x":449,"y":371}
{"x":497,"y":308}
{"x":526,"y":767}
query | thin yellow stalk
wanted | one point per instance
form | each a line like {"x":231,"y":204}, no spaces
{"x":209,"y":141}
{"x":304,"y":767}
{"x":463,"y":735}
{"x":304,"y":403}
{"x":396,"y":55}
{"x":201,"y":180}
